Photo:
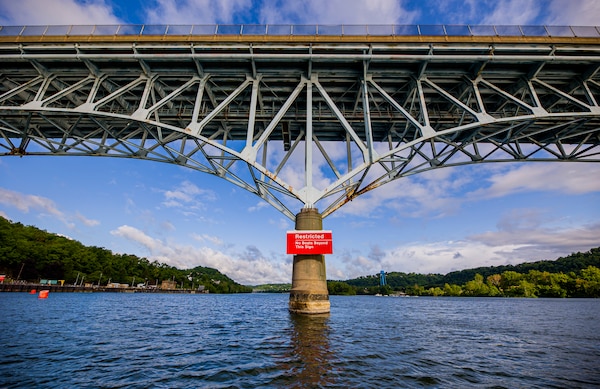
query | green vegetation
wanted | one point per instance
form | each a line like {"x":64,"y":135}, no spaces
{"x":535,"y":283}
{"x":272,"y":288}
{"x":577,"y":275}
{"x":31,"y":254}
{"x":340,"y":288}
{"x":395,"y":280}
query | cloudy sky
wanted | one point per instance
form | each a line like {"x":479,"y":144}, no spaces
{"x":443,"y":220}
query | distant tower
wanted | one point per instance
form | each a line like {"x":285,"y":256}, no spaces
{"x":382,"y":278}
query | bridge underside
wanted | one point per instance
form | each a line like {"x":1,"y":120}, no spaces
{"x":309,"y":121}
{"x":304,"y":122}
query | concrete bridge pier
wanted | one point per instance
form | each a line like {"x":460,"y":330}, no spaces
{"x":309,"y":293}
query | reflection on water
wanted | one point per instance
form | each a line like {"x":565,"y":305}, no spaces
{"x":311,"y":353}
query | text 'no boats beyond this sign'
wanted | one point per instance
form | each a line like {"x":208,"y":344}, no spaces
{"x":309,"y":242}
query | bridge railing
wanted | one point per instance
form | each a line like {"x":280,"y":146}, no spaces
{"x":302,"y":30}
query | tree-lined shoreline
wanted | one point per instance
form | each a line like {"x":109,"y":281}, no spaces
{"x":29,"y":254}
{"x":577,"y":275}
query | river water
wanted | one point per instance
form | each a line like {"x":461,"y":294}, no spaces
{"x":118,"y":340}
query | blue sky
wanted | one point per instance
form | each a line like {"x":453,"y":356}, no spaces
{"x":443,"y":220}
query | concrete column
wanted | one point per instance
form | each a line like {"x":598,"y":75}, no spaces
{"x":309,"y":293}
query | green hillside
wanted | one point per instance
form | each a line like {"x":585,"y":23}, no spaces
{"x":30,"y":254}
{"x":577,"y":275}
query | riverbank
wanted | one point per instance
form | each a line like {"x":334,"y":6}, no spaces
{"x":28,"y":287}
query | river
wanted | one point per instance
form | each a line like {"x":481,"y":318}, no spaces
{"x":118,"y":340}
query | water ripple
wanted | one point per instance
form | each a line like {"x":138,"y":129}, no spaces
{"x":247,"y":341}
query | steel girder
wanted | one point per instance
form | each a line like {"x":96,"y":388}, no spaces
{"x":317,"y":122}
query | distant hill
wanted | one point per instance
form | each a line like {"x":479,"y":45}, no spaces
{"x":29,"y":253}
{"x":272,"y":288}
{"x":397,"y":280}
{"x":572,"y":263}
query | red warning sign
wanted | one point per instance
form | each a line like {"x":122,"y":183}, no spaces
{"x":309,"y":242}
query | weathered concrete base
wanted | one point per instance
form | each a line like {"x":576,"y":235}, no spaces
{"x":309,"y":304}
{"x":309,"y":293}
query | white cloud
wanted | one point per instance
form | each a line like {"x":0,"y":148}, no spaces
{"x":195,"y":11}
{"x":335,"y":12}
{"x":250,"y":267}
{"x":441,"y":192}
{"x":535,"y":12}
{"x":282,"y":224}
{"x":508,"y":12}
{"x":25,"y":203}
{"x":167,"y":226}
{"x":493,"y":248}
{"x":189,"y":196}
{"x":57,"y":12}
{"x":444,"y":257}
{"x":533,"y":233}
{"x":435,"y":193}
{"x":43,"y":206}
{"x":136,"y":235}
{"x":574,"y":13}
{"x":208,"y":238}
{"x":260,"y":205}
{"x":505,"y":12}
{"x":570,"y":178}
{"x":86,"y":221}
{"x":521,"y":235}
{"x":513,"y":12}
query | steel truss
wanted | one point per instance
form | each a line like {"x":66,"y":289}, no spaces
{"x":316,"y":121}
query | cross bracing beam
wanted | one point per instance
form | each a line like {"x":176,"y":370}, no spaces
{"x":313,"y":122}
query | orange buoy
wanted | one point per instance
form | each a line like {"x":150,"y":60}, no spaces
{"x":33,"y":291}
{"x":43,"y":294}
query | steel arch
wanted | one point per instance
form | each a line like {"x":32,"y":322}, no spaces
{"x":313,"y":120}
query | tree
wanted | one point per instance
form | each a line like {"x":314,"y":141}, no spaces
{"x":591,"y":284}
{"x":340,"y":288}
{"x":452,"y":290}
{"x":476,"y":287}
{"x":437,"y":291}
{"x":42,"y":255}
{"x":548,"y":284}
{"x":509,"y":281}
{"x":415,"y":290}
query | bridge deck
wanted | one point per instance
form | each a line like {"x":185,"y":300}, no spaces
{"x":305,"y":39}
{"x":397,"y":104}
{"x":339,"y":63}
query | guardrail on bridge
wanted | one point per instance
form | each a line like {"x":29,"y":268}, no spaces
{"x":302,"y":30}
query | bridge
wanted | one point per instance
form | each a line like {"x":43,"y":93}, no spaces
{"x":265,"y":107}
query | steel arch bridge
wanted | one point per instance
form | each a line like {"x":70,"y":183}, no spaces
{"x":320,"y":117}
